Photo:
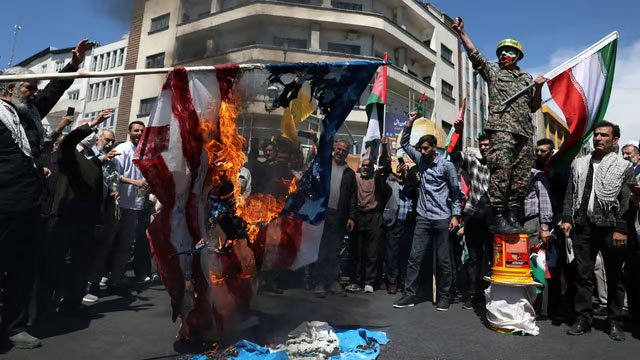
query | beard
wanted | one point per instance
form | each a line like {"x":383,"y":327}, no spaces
{"x":26,"y":107}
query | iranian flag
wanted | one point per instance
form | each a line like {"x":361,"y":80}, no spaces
{"x":375,"y":113}
{"x":581,"y":89}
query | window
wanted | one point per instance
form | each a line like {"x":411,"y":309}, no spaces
{"x":95,"y":91}
{"x":146,"y":105}
{"x":446,"y":54}
{"x":59,"y":65}
{"x":109,"y":88}
{"x":290,"y":43}
{"x":93,"y":63}
{"x":121,"y":57}
{"x":44,"y":68}
{"x":74,"y":95}
{"x":447,"y":91}
{"x":159,"y":23}
{"x":344,"y":48}
{"x":113,"y":59}
{"x":346,"y":5}
{"x":116,"y":88}
{"x":112,"y":121}
{"x":102,"y":88}
{"x":99,"y":63}
{"x":105,"y":64}
{"x":155,"y":61}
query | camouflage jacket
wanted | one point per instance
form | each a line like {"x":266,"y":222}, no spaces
{"x":514,"y":117}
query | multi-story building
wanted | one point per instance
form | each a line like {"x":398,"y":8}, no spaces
{"x":476,"y":91}
{"x":104,"y":93}
{"x":550,"y":125}
{"x":416,"y":36}
{"x":87,"y":96}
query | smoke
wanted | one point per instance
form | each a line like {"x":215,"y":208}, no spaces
{"x":119,"y":10}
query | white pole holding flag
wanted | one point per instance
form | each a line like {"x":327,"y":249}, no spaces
{"x":569,"y":63}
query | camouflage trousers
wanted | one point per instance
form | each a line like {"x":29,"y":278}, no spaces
{"x":509,"y":160}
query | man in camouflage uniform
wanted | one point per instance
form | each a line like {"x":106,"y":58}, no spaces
{"x":510,"y":127}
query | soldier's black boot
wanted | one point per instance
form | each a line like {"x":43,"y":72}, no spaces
{"x":501,"y":225}
{"x":513,"y":217}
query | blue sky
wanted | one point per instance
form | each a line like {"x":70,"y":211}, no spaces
{"x":550,"y":31}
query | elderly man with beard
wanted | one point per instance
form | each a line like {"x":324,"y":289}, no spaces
{"x":22,"y":107}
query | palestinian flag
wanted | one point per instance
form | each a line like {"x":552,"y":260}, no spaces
{"x":582,"y":92}
{"x":422,"y":105}
{"x":375,"y":114}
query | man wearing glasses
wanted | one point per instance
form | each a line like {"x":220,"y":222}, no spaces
{"x":439,"y":190}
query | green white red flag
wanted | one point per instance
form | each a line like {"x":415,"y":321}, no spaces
{"x":375,"y":114}
{"x":582,"y":92}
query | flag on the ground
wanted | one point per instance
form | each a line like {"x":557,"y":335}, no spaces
{"x":191,"y":139}
{"x":375,"y":113}
{"x":422,"y":106}
{"x":582,"y":92}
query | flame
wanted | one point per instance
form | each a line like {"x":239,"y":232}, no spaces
{"x":225,"y":152}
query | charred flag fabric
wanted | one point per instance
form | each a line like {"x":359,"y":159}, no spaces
{"x":208,"y":240}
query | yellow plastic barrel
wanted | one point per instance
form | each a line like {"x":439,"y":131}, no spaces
{"x":511,"y":259}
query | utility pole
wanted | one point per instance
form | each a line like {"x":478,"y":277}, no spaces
{"x":16,"y":28}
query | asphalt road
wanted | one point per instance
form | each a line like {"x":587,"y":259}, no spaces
{"x":139,"y":327}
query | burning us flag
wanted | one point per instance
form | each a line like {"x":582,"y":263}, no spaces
{"x":209,"y":242}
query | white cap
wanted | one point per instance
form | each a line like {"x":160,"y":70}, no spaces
{"x":634,"y":143}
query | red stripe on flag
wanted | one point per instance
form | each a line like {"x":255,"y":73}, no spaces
{"x":188,"y":120}
{"x":159,"y":234}
{"x":572,"y":103}
{"x":289,"y":245}
{"x":226,"y":75}
{"x":154,"y":141}
{"x":160,"y":179}
{"x":453,"y":141}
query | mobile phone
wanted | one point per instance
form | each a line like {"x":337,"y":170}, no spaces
{"x":71,"y":111}
{"x":400,"y":160}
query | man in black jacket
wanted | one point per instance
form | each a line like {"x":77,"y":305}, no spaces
{"x":76,"y":210}
{"x":341,"y":215}
{"x":22,"y":183}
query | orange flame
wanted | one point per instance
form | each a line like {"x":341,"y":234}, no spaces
{"x":225,"y":151}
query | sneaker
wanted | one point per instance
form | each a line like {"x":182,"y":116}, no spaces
{"x":468,"y":304}
{"x":24,"y":341}
{"x":443,"y":305}
{"x":406,"y":301}
{"x":90,"y":298}
{"x":103,"y":283}
{"x":368,"y":289}
{"x":353,"y":288}
{"x":319,"y":291}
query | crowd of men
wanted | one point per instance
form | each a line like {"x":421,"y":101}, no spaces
{"x":74,"y":209}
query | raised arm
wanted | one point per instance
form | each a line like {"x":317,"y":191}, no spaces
{"x":458,"y":27}
{"x":414,"y":154}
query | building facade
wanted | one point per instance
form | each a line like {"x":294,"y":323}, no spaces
{"x":476,"y":92}
{"x":551,"y":126}
{"x":415,"y":35}
{"x":87,"y":96}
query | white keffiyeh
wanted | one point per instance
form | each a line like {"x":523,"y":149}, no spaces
{"x":607,"y":180}
{"x":11,"y":120}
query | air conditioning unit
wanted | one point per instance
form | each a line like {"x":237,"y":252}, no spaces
{"x":352,"y":35}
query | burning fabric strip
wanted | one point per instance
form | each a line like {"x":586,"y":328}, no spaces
{"x":209,"y":241}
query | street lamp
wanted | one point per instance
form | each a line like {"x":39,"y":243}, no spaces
{"x":16,"y":28}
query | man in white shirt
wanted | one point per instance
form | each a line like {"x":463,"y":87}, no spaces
{"x":132,"y":188}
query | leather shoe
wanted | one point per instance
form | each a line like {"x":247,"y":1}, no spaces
{"x":580,"y":327}
{"x":513,"y":217}
{"x":616,"y":333}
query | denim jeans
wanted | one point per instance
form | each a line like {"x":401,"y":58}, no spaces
{"x":429,"y":234}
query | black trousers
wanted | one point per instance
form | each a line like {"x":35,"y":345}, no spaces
{"x":429,"y":234}
{"x":142,"y":250}
{"x":18,"y":240}
{"x":589,"y":239}
{"x":326,"y":269}
{"x":76,"y":239}
{"x":364,"y":250}
{"x":398,"y":237}
{"x":480,"y":245}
